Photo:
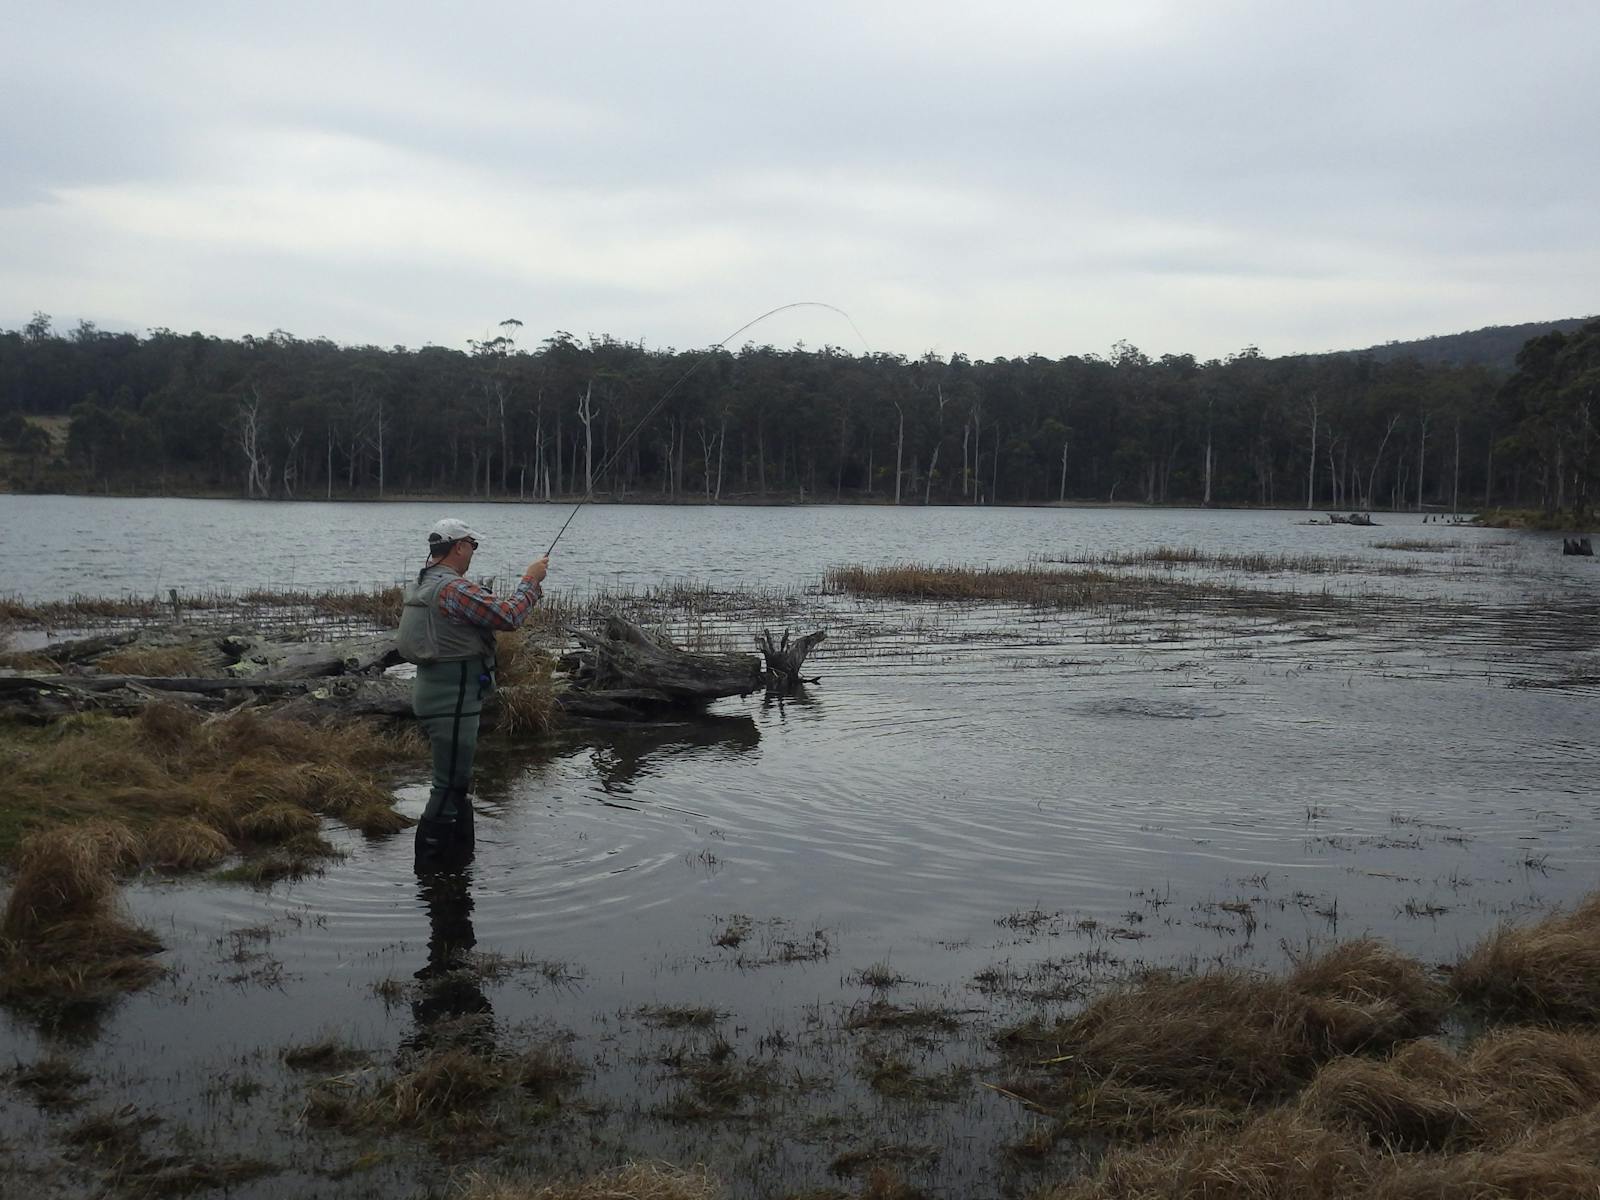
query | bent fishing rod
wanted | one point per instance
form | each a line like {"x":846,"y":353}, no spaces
{"x":681,"y":380}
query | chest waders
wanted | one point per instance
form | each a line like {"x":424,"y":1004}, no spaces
{"x":455,"y":671}
{"x":448,"y":701}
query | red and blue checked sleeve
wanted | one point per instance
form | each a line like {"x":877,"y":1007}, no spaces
{"x":467,"y":602}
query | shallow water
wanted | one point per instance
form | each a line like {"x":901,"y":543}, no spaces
{"x":970,"y":793}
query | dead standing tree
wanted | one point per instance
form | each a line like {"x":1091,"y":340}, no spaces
{"x":252,"y":430}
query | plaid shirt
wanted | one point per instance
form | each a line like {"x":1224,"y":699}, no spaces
{"x":469,"y":603}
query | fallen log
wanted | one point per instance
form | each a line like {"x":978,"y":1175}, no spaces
{"x":623,"y":658}
{"x":257,"y":658}
{"x":83,"y":649}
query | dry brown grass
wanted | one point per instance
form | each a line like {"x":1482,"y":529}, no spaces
{"x":185,"y":844}
{"x":635,"y":1181}
{"x":1546,"y":971}
{"x":1045,"y":586}
{"x":1224,"y":1040}
{"x":166,"y":661}
{"x":253,"y":779}
{"x":1284,"y":1154}
{"x":1425,"y":1097}
{"x":525,"y":672}
{"x":61,"y":935}
{"x":1279,"y":1156}
{"x":66,"y":874}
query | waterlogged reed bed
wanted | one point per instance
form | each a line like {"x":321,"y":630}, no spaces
{"x":1042,"y":586}
{"x":1251,"y":564}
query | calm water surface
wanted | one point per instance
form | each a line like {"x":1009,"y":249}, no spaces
{"x":970,"y":791}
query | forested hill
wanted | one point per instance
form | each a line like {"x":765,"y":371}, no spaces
{"x":514,"y":418}
{"x":1494,"y":346}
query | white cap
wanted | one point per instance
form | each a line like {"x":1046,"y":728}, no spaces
{"x":452,"y":530}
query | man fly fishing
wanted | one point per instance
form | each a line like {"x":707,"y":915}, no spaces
{"x":447,"y":628}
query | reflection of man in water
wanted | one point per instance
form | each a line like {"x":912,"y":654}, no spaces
{"x":447,"y":628}
{"x":449,"y":984}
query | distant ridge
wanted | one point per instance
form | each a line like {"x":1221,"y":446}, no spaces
{"x":1494,"y":346}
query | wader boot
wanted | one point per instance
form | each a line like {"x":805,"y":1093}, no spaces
{"x":444,"y":833}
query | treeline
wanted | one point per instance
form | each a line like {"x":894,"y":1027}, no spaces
{"x":284,"y":417}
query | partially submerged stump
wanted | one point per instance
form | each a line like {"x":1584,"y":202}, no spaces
{"x":625,"y":666}
{"x":784,"y":660}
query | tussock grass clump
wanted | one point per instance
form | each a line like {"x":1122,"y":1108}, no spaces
{"x":1225,"y":1039}
{"x":525,"y":673}
{"x":1427,"y":1098}
{"x":1286,"y":1153}
{"x":185,"y":844}
{"x":278,"y":823}
{"x":67,"y":874}
{"x":1546,"y":971}
{"x":61,"y":936}
{"x":1364,"y":994}
{"x":1280,"y":1155}
{"x":376,"y":819}
{"x":635,"y":1181}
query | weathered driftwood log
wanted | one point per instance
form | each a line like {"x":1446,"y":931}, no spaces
{"x":257,"y":658}
{"x":784,"y":660}
{"x":84,"y":649}
{"x":623,"y":658}
{"x":49,"y":697}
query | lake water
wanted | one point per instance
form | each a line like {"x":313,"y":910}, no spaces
{"x":972,"y":793}
{"x":60,"y":545}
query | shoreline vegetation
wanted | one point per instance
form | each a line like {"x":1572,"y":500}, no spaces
{"x":1359,"y":1071}
{"x":280,"y":415}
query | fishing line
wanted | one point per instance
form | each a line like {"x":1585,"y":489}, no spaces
{"x":684,"y":378}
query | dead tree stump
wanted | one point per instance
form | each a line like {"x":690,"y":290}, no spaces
{"x":624,"y":662}
{"x":784,"y":660}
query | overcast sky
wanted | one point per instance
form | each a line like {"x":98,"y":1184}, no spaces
{"x":996,"y":179}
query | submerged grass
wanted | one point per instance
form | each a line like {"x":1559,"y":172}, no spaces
{"x":1251,"y":564}
{"x":453,"y":1092}
{"x":635,"y":1181}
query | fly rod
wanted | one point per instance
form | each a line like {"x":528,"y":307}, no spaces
{"x":681,"y":380}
